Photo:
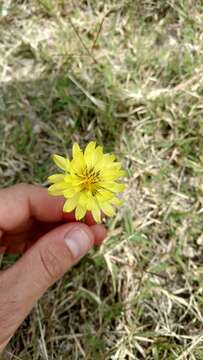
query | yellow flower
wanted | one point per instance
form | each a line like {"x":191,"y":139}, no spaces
{"x":89,"y":181}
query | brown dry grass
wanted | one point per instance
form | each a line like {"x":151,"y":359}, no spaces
{"x":129,"y":74}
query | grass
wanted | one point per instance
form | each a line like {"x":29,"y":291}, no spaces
{"x":128,"y":74}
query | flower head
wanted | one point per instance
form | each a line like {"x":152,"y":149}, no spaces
{"x":89,"y":182}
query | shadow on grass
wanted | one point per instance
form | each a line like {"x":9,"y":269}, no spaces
{"x":46,"y":115}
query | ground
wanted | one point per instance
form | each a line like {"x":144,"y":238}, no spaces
{"x":128,"y":74}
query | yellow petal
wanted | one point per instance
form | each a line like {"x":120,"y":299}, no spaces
{"x":69,"y":192}
{"x":77,"y":163}
{"x":68,"y":178}
{"x":97,"y":158}
{"x":99,"y":153}
{"x":71,"y":203}
{"x":107,"y":161}
{"x":89,"y":148}
{"x":111,"y":174}
{"x":113,"y":186}
{"x":60,"y":185}
{"x":109,"y":157}
{"x":104,"y":195}
{"x":61,"y":162}
{"x":118,"y":187}
{"x":96,"y":213}
{"x":55,"y":192}
{"x":56,"y":178}
{"x":107,"y":209}
{"x":83,"y":200}
{"x":93,"y":155}
{"x":57,"y":188}
{"x":76,"y":150}
{"x":91,"y":202}
{"x":80,"y":212}
{"x":116,"y":201}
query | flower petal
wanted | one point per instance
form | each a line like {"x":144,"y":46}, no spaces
{"x":77,"y":164}
{"x":80,"y":212}
{"x":113,"y":186}
{"x":76,"y":150}
{"x":61,"y":162}
{"x":96,"y":213}
{"x":57,"y":188}
{"x":93,"y":155}
{"x":69,"y":193}
{"x":84,"y":199}
{"x":54,"y":192}
{"x":116,"y":201}
{"x":104,"y":195}
{"x":55,"y":178}
{"x":71,"y":203}
{"x":107,"y":209}
{"x":110,"y":174}
{"x":91,"y":202}
{"x":89,"y":148}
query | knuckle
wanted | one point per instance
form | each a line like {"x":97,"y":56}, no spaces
{"x":51,"y":264}
{"x":22,"y":186}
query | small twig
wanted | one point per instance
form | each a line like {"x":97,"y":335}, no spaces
{"x":98,"y":103}
{"x":155,"y":274}
{"x":81,"y":40}
{"x":98,"y":32}
{"x":42,"y":335}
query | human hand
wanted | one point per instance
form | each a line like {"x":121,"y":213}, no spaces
{"x":33,"y":224}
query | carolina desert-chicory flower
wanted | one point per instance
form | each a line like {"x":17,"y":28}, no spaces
{"x":89,"y":182}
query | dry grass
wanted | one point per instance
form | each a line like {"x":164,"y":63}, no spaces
{"x":128,"y":73}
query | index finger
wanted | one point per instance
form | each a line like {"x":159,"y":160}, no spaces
{"x":19,"y":204}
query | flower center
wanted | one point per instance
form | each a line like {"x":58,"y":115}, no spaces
{"x":90,"y":179}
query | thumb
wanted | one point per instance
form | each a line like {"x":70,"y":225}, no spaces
{"x":40,"y":267}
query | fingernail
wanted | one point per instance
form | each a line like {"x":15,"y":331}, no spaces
{"x":78,"y":242}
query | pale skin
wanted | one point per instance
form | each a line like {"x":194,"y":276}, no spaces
{"x":32,"y":223}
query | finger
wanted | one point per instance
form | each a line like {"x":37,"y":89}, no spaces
{"x":89,"y":219}
{"x":40,"y":267}
{"x":99,"y":233}
{"x":20,"y":203}
{"x":69,"y":216}
{"x":19,"y":243}
{"x":2,"y":250}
